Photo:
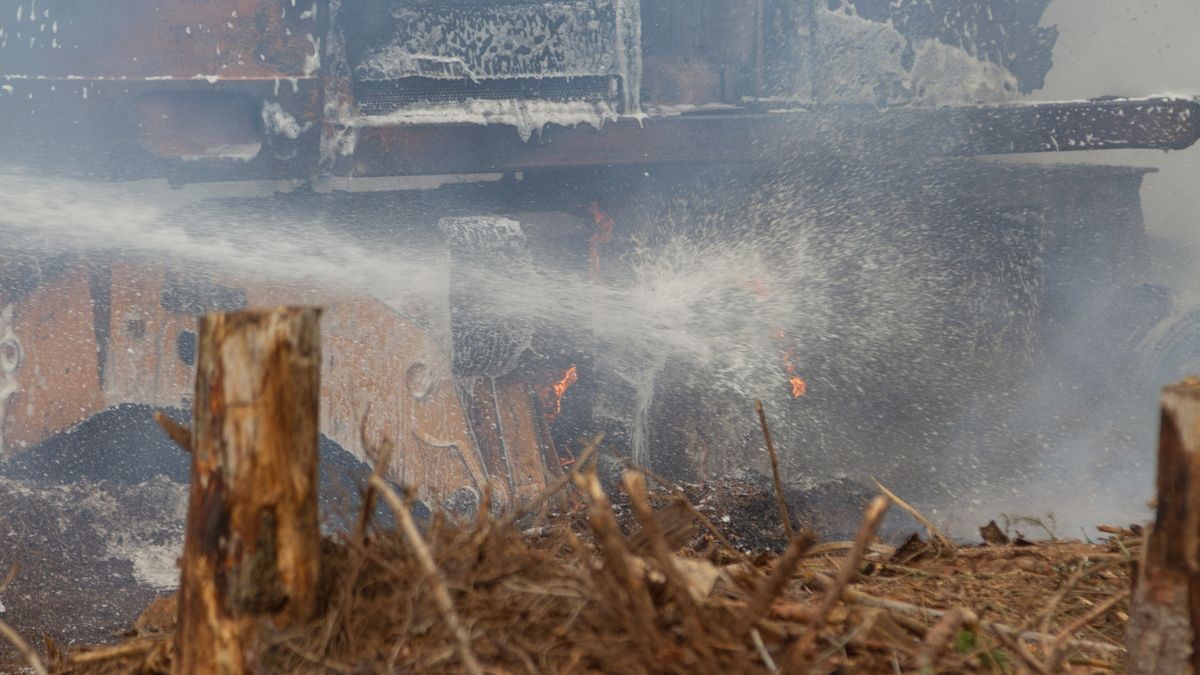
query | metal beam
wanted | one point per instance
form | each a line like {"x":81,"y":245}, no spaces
{"x":1160,"y":124}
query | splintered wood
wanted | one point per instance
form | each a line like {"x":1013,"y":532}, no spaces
{"x":1166,"y":603}
{"x":252,"y":544}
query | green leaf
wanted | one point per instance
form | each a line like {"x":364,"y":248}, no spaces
{"x":964,"y":642}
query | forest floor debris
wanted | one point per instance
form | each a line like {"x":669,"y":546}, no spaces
{"x":650,"y":587}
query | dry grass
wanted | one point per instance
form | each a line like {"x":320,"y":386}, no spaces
{"x":575,"y":594}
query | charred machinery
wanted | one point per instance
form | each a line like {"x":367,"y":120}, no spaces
{"x":563,"y":133}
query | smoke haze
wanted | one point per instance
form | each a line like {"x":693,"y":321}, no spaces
{"x":1099,"y":466}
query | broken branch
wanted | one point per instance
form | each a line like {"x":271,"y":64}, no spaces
{"x":779,"y":498}
{"x":946,"y":544}
{"x":178,"y":432}
{"x":441,"y":596}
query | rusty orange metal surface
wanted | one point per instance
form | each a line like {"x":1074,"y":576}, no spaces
{"x":504,"y":421}
{"x":385,"y":374}
{"x":388,"y":377}
{"x":524,"y":439}
{"x":118,"y":39}
{"x":142,"y":363}
{"x":56,"y":383}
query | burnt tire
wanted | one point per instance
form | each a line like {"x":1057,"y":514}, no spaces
{"x":1172,"y":350}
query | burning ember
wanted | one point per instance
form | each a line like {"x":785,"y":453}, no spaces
{"x":603,"y":234}
{"x":569,"y":378}
{"x":552,"y":395}
{"x":799,"y":386}
{"x":788,"y":354}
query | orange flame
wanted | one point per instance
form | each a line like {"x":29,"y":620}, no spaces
{"x":569,"y":378}
{"x":799,"y":386}
{"x":603,"y":234}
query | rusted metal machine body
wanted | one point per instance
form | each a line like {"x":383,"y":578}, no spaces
{"x":94,"y":336}
{"x":229,"y":90}
{"x":239,"y":89}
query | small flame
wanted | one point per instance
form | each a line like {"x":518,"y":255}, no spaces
{"x":799,"y":386}
{"x":569,"y":378}
{"x":603,"y":234}
{"x":551,"y":393}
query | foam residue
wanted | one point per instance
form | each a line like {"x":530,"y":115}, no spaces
{"x":527,"y":116}
{"x":238,"y":152}
{"x":278,"y":122}
{"x":871,"y":62}
{"x":559,"y":39}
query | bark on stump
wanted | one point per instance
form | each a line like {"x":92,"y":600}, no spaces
{"x":1165,"y":609}
{"x":252,"y":542}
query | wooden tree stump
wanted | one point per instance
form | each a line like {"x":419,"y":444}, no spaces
{"x":252,"y":543}
{"x":1165,"y":609}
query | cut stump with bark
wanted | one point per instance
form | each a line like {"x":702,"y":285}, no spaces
{"x":251,"y":546}
{"x":1165,"y":609}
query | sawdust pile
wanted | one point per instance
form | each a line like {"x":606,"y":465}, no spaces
{"x":654,"y":586}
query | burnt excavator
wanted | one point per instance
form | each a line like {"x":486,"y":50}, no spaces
{"x":535,"y":136}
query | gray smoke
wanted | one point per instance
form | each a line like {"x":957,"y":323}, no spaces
{"x":1097,"y":441}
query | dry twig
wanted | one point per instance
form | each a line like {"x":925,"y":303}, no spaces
{"x":762,"y":651}
{"x":138,"y":647}
{"x":846,"y":546}
{"x":1061,"y":641}
{"x":8,"y":578}
{"x":946,"y":544}
{"x":779,"y":498}
{"x":178,"y":432}
{"x":24,"y":649}
{"x":876,"y":510}
{"x":1017,"y":645}
{"x":617,"y":558}
{"x":383,"y":460}
{"x":440,"y":595}
{"x":635,"y":487}
{"x":769,"y":589}
{"x":943,"y":633}
{"x":679,"y":494}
